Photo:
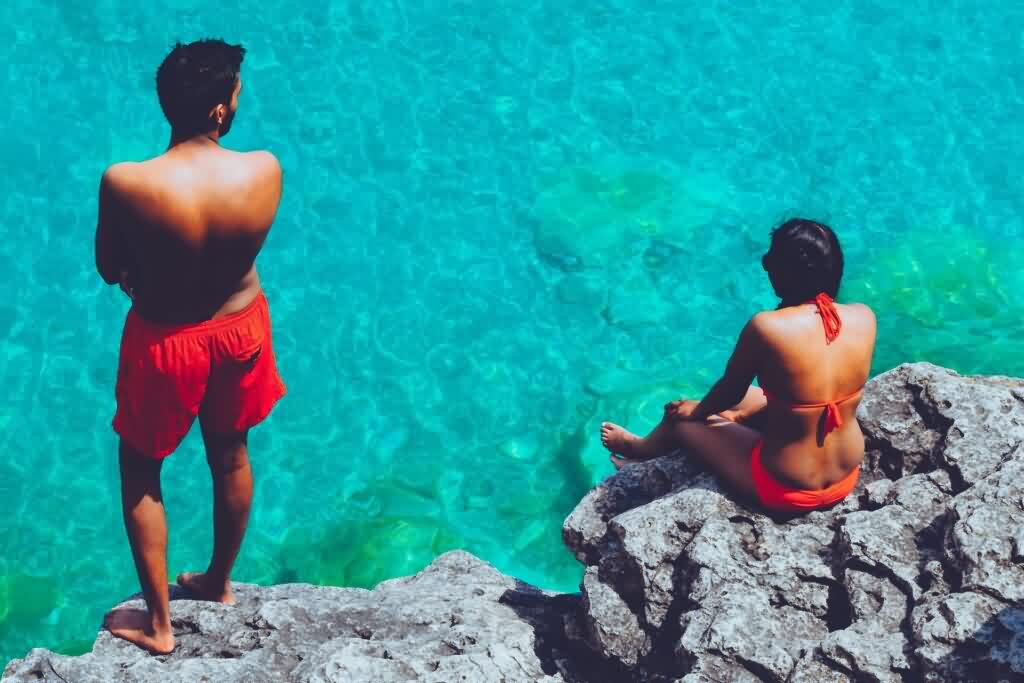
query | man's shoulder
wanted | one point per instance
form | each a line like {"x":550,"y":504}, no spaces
{"x":130,"y":176}
{"x":122,"y":174}
{"x":259,"y":169}
{"x":123,"y":180}
{"x":259,"y":161}
{"x":264,"y":156}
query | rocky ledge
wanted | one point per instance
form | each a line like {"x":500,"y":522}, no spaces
{"x":457,"y":620}
{"x":918,"y":575}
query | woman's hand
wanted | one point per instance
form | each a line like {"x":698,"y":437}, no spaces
{"x":680,"y":410}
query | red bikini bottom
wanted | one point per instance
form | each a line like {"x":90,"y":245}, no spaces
{"x":776,"y":496}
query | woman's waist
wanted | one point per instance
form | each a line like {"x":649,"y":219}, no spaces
{"x":803,"y":464}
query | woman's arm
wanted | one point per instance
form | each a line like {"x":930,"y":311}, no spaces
{"x":749,"y":411}
{"x":740,"y":371}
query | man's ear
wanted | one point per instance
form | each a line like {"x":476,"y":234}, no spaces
{"x":218,"y":113}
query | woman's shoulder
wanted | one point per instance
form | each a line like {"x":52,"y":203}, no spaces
{"x":863,"y":311}
{"x":859,"y":320}
{"x":767,"y":323}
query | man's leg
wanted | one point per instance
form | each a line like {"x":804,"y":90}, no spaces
{"x":147,"y":533}
{"x":228,"y":457}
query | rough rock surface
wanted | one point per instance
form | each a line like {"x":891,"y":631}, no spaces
{"x":457,"y":620}
{"x":918,"y":575}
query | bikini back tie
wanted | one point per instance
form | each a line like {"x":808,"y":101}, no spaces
{"x":829,"y":316}
{"x":832,"y":324}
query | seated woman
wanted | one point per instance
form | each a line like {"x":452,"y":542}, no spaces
{"x":796,"y":445}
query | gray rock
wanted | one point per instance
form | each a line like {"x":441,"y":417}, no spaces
{"x":812,"y":669}
{"x":457,"y":620}
{"x":886,"y":539}
{"x":991,"y":563}
{"x":738,"y":623}
{"x":635,"y":485}
{"x":656,"y":534}
{"x":957,"y":634}
{"x":922,"y":416}
{"x":612,"y":628}
{"x":711,"y":669}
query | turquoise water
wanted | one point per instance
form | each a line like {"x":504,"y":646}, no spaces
{"x":500,"y":225}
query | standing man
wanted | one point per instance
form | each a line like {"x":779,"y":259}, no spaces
{"x":180,"y":233}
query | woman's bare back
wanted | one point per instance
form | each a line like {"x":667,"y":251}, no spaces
{"x":799,"y":367}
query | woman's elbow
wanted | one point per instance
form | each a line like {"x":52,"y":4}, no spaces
{"x":732,"y":391}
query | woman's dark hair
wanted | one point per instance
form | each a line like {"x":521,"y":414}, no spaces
{"x":804,"y":259}
{"x":194,"y":79}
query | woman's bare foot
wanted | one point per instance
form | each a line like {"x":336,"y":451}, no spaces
{"x":620,"y":461}
{"x":197,"y":584}
{"x":621,"y":442}
{"x":617,"y":439}
{"x":136,"y":626}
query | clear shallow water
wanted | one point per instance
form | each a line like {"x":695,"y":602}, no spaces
{"x":500,"y":226}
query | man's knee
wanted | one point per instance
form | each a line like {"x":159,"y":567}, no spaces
{"x":226,"y":453}
{"x":140,"y":475}
{"x":135,"y":463}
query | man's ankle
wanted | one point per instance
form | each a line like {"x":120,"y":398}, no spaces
{"x":161,"y":626}
{"x":214,"y":580}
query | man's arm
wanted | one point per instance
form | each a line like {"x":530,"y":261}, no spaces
{"x":110,"y":247}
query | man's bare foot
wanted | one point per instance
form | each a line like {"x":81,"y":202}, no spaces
{"x":197,"y":584}
{"x":136,"y":626}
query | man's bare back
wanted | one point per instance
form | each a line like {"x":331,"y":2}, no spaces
{"x":186,"y":227}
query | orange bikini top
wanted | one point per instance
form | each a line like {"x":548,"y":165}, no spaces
{"x":832,"y":324}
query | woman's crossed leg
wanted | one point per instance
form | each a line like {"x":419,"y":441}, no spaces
{"x":721,"y":443}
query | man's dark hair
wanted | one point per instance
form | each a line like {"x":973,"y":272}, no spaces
{"x":804,"y":259}
{"x":194,"y":79}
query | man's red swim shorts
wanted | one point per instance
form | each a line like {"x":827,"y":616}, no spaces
{"x":169,"y":373}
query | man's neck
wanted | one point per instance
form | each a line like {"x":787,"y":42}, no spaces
{"x":205,"y":139}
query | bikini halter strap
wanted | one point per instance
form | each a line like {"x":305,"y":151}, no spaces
{"x":829,"y":316}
